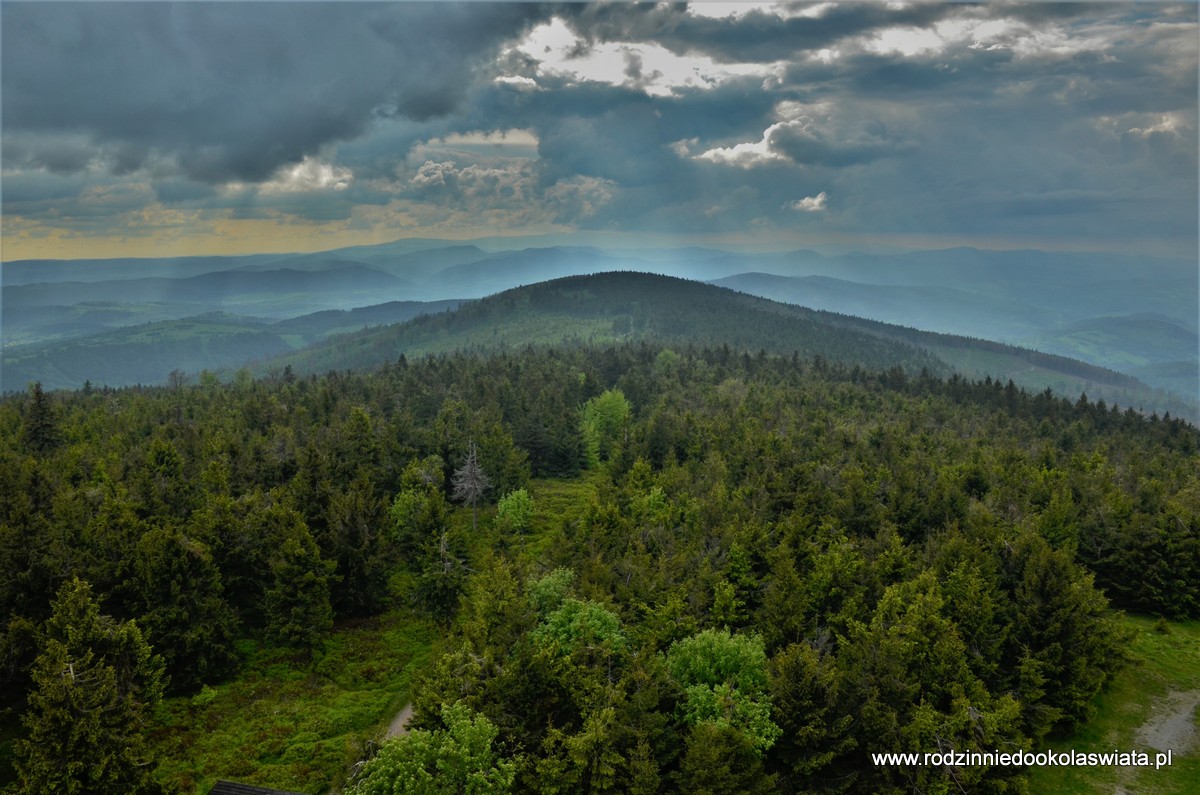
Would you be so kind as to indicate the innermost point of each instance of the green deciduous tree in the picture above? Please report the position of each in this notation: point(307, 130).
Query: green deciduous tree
point(601, 423)
point(514, 512)
point(458, 759)
point(724, 678)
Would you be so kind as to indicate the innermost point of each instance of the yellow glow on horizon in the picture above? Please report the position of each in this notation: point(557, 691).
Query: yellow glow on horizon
point(22, 239)
point(207, 236)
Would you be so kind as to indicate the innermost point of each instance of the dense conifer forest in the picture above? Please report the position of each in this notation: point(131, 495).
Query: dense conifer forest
point(788, 563)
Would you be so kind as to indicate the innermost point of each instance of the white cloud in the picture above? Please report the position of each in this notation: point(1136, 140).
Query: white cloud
point(512, 137)
point(431, 174)
point(309, 174)
point(518, 82)
point(714, 9)
point(906, 41)
point(808, 12)
point(646, 66)
point(747, 155)
point(1167, 123)
point(683, 148)
point(511, 187)
point(809, 204)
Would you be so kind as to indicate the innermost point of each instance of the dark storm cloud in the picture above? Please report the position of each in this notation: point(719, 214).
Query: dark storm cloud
point(757, 36)
point(921, 138)
point(1066, 118)
point(181, 191)
point(26, 189)
point(233, 90)
point(619, 132)
point(842, 147)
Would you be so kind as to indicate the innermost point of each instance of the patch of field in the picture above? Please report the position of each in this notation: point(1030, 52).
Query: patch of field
point(288, 723)
point(557, 502)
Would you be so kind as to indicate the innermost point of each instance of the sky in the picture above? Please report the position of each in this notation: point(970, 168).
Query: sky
point(168, 129)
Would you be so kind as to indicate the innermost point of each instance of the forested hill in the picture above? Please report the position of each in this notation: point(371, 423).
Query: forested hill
point(615, 307)
point(629, 306)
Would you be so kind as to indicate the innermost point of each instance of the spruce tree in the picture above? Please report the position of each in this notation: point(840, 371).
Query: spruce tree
point(183, 609)
point(40, 433)
point(96, 681)
point(297, 604)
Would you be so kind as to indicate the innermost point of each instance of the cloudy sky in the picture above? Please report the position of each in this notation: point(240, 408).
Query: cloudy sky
point(183, 128)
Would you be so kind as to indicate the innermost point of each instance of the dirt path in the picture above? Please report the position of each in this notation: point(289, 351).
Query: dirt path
point(399, 725)
point(1170, 727)
point(1172, 724)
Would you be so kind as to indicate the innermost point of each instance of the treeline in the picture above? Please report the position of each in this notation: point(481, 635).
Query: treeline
point(142, 354)
point(790, 563)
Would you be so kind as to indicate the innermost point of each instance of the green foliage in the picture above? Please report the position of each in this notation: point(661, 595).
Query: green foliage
point(418, 514)
point(724, 678)
point(205, 697)
point(183, 610)
point(548, 593)
point(580, 627)
point(906, 674)
point(914, 558)
point(40, 431)
point(289, 723)
point(297, 603)
point(601, 422)
point(1069, 644)
point(805, 692)
point(721, 759)
point(96, 684)
point(514, 512)
point(353, 541)
point(457, 759)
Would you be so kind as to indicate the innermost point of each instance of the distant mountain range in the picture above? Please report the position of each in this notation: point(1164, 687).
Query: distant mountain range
point(146, 353)
point(336, 277)
point(1138, 316)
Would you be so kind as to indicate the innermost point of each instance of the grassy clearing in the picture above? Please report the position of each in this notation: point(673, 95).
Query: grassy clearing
point(289, 723)
point(293, 724)
point(557, 503)
point(1164, 663)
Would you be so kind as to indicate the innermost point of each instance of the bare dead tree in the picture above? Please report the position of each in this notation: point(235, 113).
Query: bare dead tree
point(470, 484)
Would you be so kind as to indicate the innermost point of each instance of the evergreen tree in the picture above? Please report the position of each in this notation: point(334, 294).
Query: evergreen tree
point(720, 759)
point(96, 681)
point(40, 433)
point(297, 603)
point(183, 608)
